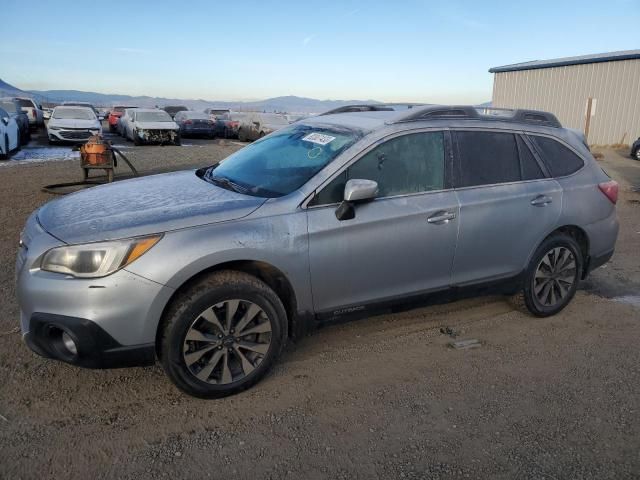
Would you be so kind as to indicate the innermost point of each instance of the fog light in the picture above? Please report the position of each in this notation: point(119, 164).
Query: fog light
point(69, 343)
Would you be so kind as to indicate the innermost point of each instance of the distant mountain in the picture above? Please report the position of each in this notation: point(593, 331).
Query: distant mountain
point(278, 104)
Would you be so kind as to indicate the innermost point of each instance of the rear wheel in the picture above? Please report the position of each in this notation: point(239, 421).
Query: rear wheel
point(552, 277)
point(222, 335)
point(636, 153)
point(136, 138)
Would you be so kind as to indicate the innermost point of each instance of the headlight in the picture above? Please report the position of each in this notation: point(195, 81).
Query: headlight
point(94, 260)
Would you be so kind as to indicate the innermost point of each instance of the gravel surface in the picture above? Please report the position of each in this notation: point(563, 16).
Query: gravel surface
point(383, 397)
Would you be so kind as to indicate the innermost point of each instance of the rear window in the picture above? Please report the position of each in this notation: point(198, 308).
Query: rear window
point(529, 168)
point(559, 159)
point(485, 158)
point(25, 103)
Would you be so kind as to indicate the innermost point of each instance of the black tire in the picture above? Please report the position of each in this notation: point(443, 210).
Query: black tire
point(5, 155)
point(112, 129)
point(241, 136)
point(636, 154)
point(177, 141)
point(136, 139)
point(527, 299)
point(185, 311)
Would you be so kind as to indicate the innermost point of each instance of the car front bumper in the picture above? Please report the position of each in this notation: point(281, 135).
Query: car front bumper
point(158, 135)
point(72, 135)
point(113, 320)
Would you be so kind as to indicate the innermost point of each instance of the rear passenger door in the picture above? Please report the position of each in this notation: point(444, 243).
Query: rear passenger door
point(507, 204)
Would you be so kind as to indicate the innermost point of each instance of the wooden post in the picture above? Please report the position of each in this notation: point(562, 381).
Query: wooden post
point(588, 120)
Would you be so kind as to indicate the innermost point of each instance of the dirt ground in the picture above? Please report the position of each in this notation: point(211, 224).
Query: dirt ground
point(377, 398)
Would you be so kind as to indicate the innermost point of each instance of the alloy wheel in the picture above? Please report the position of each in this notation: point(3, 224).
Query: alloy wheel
point(555, 276)
point(227, 341)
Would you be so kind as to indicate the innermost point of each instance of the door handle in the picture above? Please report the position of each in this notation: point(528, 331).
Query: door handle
point(441, 217)
point(541, 201)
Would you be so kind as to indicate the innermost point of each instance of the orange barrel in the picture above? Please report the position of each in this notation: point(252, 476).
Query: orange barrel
point(95, 152)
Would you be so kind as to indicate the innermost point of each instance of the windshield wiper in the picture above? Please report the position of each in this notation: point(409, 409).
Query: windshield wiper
point(226, 183)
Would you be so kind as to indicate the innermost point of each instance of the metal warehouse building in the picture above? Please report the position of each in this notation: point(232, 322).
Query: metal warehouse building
point(597, 94)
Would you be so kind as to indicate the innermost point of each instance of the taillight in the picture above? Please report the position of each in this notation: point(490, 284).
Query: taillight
point(33, 112)
point(188, 122)
point(610, 189)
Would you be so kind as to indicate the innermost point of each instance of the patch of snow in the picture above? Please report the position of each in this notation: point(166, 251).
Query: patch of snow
point(628, 299)
point(40, 154)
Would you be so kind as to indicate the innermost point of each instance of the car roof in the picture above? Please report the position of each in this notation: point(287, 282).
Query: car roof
point(73, 107)
point(149, 110)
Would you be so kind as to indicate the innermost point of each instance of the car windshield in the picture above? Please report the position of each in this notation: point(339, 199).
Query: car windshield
point(74, 113)
point(158, 116)
point(283, 161)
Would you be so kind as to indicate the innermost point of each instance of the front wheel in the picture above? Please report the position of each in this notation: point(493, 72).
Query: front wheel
point(177, 140)
point(636, 154)
point(552, 277)
point(222, 335)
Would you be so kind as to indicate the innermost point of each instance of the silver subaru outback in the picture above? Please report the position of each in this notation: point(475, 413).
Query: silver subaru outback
point(361, 210)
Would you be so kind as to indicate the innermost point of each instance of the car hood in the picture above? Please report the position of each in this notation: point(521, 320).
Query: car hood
point(73, 123)
point(156, 125)
point(141, 206)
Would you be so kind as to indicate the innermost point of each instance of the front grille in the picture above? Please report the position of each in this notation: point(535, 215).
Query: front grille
point(75, 134)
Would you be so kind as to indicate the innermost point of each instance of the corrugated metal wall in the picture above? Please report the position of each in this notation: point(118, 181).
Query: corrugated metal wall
point(564, 91)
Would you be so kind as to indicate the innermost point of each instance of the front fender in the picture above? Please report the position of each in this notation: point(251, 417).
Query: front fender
point(280, 241)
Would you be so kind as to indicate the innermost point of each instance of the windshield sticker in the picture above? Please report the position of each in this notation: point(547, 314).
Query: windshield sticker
point(319, 138)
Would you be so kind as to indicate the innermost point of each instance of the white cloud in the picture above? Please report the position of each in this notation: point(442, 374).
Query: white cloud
point(308, 39)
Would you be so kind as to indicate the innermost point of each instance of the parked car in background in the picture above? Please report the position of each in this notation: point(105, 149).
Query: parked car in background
point(72, 124)
point(124, 120)
point(295, 117)
point(227, 124)
point(635, 149)
point(195, 124)
point(340, 214)
point(9, 134)
point(257, 125)
point(33, 111)
point(214, 113)
point(148, 125)
point(173, 109)
point(13, 108)
point(114, 114)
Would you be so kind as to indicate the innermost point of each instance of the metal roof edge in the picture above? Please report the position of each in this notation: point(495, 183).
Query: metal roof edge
point(564, 62)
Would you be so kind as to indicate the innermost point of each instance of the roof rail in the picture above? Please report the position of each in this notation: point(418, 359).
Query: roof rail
point(377, 107)
point(433, 112)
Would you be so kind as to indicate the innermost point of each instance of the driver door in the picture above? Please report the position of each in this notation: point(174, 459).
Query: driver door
point(401, 243)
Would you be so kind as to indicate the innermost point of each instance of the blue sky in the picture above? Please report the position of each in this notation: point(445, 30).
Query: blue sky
point(352, 49)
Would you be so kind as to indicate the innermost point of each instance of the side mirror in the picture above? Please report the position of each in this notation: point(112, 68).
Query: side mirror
point(356, 191)
point(5, 120)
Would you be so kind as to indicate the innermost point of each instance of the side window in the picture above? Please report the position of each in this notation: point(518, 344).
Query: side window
point(485, 158)
point(407, 164)
point(560, 160)
point(529, 168)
